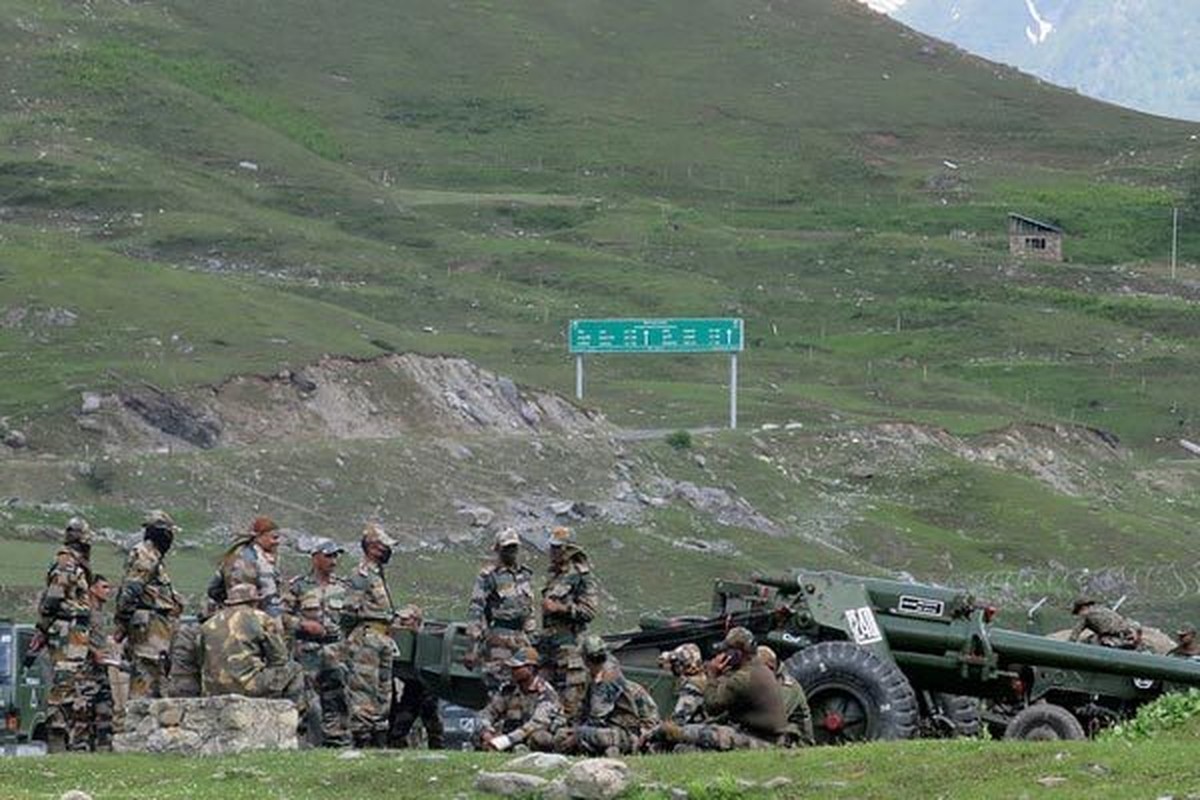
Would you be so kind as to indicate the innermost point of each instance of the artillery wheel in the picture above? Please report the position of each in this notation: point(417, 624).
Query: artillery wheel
point(1044, 722)
point(949, 716)
point(854, 694)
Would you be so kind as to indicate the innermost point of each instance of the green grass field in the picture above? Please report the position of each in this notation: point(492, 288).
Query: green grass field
point(961, 769)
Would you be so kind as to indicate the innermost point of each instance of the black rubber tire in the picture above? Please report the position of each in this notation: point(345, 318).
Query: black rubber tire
point(870, 696)
point(1044, 722)
point(961, 712)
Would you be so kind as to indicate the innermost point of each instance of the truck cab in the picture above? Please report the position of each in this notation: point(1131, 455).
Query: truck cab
point(22, 691)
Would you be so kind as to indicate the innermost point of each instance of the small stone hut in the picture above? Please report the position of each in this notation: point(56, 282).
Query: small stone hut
point(1029, 238)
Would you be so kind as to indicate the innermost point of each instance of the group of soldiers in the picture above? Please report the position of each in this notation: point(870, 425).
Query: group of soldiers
point(1108, 628)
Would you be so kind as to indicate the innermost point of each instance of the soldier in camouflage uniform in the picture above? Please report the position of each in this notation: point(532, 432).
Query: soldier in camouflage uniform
point(183, 679)
point(94, 687)
point(252, 559)
point(687, 665)
point(1188, 647)
point(1109, 627)
point(316, 602)
point(500, 614)
point(64, 615)
point(795, 701)
point(742, 700)
point(568, 606)
point(244, 653)
point(148, 607)
point(618, 713)
point(415, 700)
point(368, 617)
point(526, 711)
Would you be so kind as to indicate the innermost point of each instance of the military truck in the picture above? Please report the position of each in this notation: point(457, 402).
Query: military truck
point(22, 691)
point(879, 659)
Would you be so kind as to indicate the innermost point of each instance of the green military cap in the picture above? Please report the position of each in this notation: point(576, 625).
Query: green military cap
point(523, 657)
point(160, 519)
point(593, 647)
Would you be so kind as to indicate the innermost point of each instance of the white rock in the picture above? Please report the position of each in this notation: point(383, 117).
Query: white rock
point(597, 779)
point(538, 762)
point(508, 784)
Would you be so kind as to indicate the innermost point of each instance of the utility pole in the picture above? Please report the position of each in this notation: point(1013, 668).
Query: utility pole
point(1174, 239)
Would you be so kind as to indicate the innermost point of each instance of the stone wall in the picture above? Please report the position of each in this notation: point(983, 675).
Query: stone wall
point(208, 726)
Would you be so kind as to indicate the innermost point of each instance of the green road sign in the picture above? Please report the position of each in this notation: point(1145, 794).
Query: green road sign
point(718, 335)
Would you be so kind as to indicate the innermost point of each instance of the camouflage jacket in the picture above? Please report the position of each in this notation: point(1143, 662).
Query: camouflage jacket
point(749, 697)
point(65, 599)
point(689, 702)
point(99, 645)
point(574, 586)
point(239, 642)
point(246, 562)
point(308, 598)
point(147, 586)
point(502, 598)
point(367, 596)
point(520, 713)
point(1104, 622)
point(615, 701)
point(1186, 650)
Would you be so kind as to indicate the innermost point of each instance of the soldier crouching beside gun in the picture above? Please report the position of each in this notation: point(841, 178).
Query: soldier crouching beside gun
point(1109, 627)
point(526, 711)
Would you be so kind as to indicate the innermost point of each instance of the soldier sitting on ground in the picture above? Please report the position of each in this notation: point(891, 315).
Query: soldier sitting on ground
point(617, 713)
point(1109, 627)
point(687, 665)
point(526, 711)
point(742, 700)
point(795, 701)
point(1188, 647)
point(244, 652)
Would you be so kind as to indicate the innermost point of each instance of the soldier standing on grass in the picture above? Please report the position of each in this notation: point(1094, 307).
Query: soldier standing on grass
point(568, 607)
point(148, 607)
point(316, 601)
point(64, 616)
point(95, 687)
point(368, 617)
point(500, 614)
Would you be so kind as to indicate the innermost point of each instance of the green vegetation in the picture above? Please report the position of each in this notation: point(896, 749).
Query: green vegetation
point(1174, 715)
point(679, 440)
point(968, 769)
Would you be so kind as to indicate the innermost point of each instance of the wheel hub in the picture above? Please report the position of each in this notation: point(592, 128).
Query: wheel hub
point(833, 722)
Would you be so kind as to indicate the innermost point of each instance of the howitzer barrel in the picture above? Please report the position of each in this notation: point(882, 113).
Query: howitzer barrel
point(1012, 647)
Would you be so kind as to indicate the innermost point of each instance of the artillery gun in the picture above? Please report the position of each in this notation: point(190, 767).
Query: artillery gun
point(879, 659)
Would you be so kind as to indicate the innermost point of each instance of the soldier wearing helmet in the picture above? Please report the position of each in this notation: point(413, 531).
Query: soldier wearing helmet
point(316, 601)
point(526, 711)
point(617, 713)
point(568, 607)
point(368, 617)
point(1109, 628)
point(64, 618)
point(1188, 647)
point(500, 614)
point(148, 607)
point(687, 665)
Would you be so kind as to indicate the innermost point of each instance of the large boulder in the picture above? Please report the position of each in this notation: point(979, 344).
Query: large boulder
point(208, 726)
point(597, 779)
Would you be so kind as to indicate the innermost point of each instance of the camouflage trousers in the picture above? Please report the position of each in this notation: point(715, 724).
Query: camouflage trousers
point(95, 692)
point(369, 685)
point(148, 649)
point(498, 647)
point(707, 736)
point(416, 702)
point(67, 725)
point(325, 671)
point(563, 667)
point(184, 677)
point(595, 740)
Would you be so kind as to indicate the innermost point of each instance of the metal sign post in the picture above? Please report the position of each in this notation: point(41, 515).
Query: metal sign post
point(688, 335)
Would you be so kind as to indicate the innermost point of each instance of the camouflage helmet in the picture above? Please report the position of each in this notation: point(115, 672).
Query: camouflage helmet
point(374, 532)
point(593, 648)
point(560, 536)
point(160, 519)
point(738, 638)
point(410, 616)
point(78, 532)
point(523, 657)
point(1186, 630)
point(767, 657)
point(241, 593)
point(506, 537)
point(1083, 601)
point(686, 657)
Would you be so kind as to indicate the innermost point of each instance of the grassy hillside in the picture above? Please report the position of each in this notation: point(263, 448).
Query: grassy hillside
point(192, 191)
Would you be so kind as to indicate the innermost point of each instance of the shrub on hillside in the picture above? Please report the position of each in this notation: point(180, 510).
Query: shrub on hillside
point(680, 440)
point(1178, 712)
